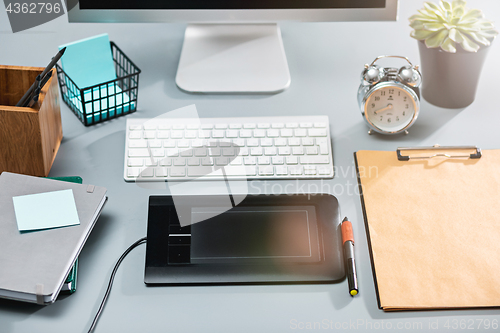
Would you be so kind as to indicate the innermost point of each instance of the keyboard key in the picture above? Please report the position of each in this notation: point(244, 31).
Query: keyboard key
point(278, 160)
point(292, 160)
point(138, 152)
point(192, 126)
point(206, 126)
point(164, 126)
point(149, 134)
point(177, 172)
point(294, 142)
point(240, 170)
point(228, 152)
point(323, 171)
point(225, 144)
point(237, 161)
point(243, 152)
point(183, 143)
point(286, 133)
point(256, 151)
point(245, 134)
point(235, 125)
point(259, 133)
point(323, 149)
point(320, 124)
point(135, 127)
point(187, 153)
point(295, 170)
point(150, 162)
point(306, 125)
point(277, 125)
point(312, 150)
point(207, 161)
point(190, 134)
point(263, 125)
point(161, 172)
point(266, 171)
point(178, 126)
point(239, 142)
point(309, 172)
point(298, 151)
point(266, 142)
point(148, 172)
point(270, 151)
point(162, 135)
point(154, 143)
point(249, 160)
point(138, 144)
point(314, 159)
point(214, 152)
point(149, 126)
point(249, 125)
point(280, 142)
point(221, 126)
point(133, 172)
point(307, 141)
point(281, 170)
point(172, 152)
point(135, 162)
point(284, 150)
point(166, 161)
point(135, 135)
point(221, 161)
point(301, 132)
point(232, 133)
point(158, 152)
point(292, 125)
point(169, 143)
point(177, 134)
point(193, 161)
point(252, 142)
point(317, 132)
point(273, 133)
point(179, 161)
point(197, 143)
point(200, 171)
point(217, 134)
point(200, 152)
point(264, 160)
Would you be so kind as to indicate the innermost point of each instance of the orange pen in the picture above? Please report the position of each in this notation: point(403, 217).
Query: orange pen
point(350, 262)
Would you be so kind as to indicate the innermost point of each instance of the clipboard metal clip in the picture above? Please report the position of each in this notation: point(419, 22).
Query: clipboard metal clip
point(438, 152)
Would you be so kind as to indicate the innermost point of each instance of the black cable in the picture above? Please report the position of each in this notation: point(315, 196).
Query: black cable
point(111, 279)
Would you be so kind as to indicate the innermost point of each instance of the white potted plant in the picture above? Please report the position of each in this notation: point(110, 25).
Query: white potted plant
point(453, 42)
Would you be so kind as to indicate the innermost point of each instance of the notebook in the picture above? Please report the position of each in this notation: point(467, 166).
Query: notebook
point(433, 228)
point(35, 264)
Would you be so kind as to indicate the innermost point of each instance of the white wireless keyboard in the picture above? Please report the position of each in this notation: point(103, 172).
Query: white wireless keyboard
point(180, 149)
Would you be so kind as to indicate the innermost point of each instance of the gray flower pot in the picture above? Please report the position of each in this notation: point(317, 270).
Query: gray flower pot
point(449, 80)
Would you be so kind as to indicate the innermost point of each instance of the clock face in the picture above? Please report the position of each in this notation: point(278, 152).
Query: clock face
point(390, 108)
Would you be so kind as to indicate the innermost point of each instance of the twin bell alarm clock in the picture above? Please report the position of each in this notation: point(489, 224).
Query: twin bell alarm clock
point(389, 97)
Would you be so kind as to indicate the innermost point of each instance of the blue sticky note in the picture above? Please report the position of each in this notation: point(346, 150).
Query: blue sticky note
point(89, 61)
point(45, 210)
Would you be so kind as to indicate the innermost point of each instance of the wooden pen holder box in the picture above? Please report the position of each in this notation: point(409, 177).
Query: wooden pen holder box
point(29, 137)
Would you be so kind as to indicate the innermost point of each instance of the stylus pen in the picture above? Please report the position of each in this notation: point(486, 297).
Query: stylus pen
point(350, 261)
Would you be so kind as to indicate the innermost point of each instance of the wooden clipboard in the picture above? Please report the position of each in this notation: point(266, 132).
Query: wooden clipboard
point(432, 218)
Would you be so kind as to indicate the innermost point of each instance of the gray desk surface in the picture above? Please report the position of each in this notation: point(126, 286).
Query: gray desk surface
point(325, 62)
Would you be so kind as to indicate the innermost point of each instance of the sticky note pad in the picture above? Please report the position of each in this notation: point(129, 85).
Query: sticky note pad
point(45, 210)
point(89, 61)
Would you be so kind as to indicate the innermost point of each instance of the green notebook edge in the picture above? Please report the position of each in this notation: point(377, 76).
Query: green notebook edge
point(69, 285)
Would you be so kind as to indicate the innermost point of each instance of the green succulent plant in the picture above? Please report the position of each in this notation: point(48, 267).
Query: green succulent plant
point(449, 23)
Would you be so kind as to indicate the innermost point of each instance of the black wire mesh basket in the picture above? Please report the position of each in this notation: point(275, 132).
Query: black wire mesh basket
point(106, 100)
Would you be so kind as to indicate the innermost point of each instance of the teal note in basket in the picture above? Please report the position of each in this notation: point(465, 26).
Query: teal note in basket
point(45, 210)
point(89, 61)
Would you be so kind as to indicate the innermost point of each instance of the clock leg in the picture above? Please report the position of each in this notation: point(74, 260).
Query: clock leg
point(370, 132)
point(406, 132)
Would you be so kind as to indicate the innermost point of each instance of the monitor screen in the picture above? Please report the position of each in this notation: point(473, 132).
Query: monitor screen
point(229, 4)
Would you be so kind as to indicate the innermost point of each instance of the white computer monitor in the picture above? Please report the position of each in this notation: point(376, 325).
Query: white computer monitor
point(232, 46)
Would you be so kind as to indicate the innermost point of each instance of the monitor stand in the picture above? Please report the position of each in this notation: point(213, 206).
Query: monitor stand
point(233, 58)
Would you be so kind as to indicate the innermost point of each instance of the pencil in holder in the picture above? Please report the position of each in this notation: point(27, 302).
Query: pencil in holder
point(106, 100)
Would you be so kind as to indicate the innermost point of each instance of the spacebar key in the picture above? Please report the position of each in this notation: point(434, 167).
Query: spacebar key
point(202, 171)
